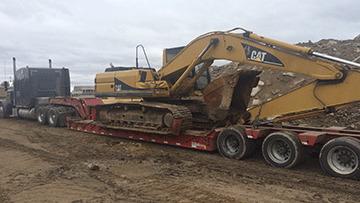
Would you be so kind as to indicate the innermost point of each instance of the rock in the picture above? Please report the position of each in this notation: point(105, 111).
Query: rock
point(268, 83)
point(94, 167)
point(261, 83)
point(301, 80)
point(256, 102)
point(274, 92)
point(331, 43)
point(255, 90)
point(77, 201)
point(357, 38)
point(357, 59)
point(290, 74)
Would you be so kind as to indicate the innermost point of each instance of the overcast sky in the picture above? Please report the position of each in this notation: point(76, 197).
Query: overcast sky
point(85, 36)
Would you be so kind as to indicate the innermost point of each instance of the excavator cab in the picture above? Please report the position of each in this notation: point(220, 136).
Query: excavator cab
point(203, 80)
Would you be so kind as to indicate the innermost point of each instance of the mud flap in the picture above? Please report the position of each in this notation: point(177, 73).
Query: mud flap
point(175, 127)
point(230, 95)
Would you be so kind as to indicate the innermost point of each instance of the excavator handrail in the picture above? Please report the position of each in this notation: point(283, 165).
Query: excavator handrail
point(238, 28)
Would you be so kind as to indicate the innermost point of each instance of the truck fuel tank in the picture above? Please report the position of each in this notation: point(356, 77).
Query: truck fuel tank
point(27, 113)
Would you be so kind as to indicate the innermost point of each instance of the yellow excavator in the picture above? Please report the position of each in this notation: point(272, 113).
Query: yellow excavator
point(170, 100)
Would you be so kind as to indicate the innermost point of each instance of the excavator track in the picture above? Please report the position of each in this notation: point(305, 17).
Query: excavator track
point(147, 117)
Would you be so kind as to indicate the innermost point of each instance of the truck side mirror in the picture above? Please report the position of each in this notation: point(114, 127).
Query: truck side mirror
point(6, 85)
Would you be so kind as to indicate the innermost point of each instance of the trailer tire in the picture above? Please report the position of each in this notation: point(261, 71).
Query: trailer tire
point(283, 149)
point(340, 157)
point(41, 115)
point(233, 143)
point(53, 117)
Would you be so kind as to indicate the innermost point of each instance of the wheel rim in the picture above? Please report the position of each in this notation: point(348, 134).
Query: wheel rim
point(343, 160)
point(1, 111)
point(52, 118)
point(279, 151)
point(232, 144)
point(40, 117)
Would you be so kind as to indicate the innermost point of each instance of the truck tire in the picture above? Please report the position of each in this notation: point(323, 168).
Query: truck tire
point(41, 115)
point(340, 157)
point(53, 117)
point(233, 143)
point(283, 149)
point(2, 111)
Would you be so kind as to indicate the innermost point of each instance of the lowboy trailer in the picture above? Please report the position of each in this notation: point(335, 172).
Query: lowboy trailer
point(282, 146)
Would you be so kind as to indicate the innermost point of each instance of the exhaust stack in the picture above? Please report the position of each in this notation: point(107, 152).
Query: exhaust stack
point(14, 81)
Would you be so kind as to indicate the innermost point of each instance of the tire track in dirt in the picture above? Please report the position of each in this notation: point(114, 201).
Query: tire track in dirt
point(110, 169)
point(67, 167)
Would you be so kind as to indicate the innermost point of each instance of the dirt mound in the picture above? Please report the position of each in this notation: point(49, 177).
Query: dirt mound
point(274, 83)
point(346, 49)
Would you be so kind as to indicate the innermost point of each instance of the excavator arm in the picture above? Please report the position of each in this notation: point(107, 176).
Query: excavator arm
point(247, 48)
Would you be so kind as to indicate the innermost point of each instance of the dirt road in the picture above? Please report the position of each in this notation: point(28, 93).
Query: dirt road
point(44, 164)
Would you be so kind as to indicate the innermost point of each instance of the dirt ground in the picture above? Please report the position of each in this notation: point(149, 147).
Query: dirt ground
point(44, 164)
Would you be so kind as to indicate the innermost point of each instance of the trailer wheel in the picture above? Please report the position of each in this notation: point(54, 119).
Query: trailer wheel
point(233, 143)
point(41, 115)
point(340, 157)
point(283, 149)
point(53, 117)
point(2, 111)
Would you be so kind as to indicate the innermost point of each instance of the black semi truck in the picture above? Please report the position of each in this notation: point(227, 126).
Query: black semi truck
point(32, 90)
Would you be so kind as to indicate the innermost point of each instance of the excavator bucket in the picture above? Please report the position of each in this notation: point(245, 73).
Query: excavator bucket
point(229, 95)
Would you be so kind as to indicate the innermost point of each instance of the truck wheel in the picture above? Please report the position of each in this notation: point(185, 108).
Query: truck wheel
point(53, 117)
point(340, 157)
point(41, 115)
point(283, 149)
point(233, 143)
point(2, 111)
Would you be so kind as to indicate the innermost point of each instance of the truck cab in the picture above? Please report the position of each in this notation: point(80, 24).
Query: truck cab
point(33, 83)
point(32, 87)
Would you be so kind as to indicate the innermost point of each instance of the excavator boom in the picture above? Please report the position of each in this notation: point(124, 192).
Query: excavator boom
point(253, 49)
